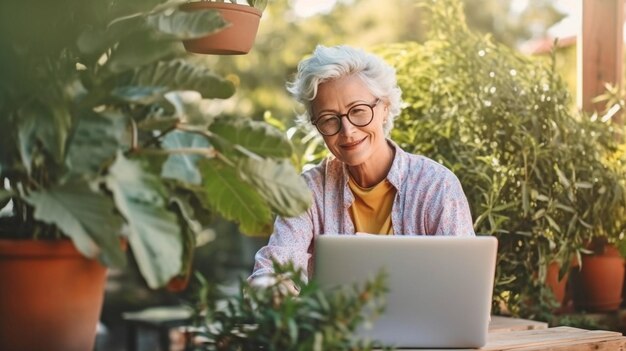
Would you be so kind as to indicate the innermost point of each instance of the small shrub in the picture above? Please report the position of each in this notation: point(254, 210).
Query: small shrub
point(270, 318)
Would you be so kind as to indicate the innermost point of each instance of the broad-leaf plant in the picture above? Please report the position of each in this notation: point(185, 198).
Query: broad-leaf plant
point(107, 135)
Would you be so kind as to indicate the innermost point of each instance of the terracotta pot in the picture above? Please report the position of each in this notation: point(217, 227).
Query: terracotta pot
point(552, 281)
point(236, 39)
point(50, 296)
point(598, 284)
point(624, 291)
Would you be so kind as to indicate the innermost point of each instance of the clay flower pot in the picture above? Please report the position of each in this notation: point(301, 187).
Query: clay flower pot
point(556, 285)
point(598, 285)
point(236, 39)
point(50, 296)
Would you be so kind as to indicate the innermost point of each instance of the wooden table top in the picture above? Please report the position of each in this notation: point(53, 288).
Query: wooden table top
point(505, 334)
point(499, 324)
point(512, 334)
point(558, 338)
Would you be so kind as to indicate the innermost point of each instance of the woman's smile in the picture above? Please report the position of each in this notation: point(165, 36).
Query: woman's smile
point(351, 145)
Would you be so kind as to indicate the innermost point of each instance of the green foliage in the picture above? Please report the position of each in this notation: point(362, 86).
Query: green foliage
point(538, 176)
point(106, 134)
point(270, 318)
point(285, 37)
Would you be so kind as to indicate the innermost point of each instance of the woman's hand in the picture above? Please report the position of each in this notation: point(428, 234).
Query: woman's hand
point(285, 286)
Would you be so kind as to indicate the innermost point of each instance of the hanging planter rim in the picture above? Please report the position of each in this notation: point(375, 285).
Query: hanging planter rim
point(198, 5)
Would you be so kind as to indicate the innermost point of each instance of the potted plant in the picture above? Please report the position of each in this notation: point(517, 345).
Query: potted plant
point(106, 142)
point(599, 279)
point(235, 39)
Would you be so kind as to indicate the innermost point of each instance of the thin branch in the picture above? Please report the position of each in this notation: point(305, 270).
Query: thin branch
point(156, 138)
point(193, 129)
point(208, 152)
point(133, 136)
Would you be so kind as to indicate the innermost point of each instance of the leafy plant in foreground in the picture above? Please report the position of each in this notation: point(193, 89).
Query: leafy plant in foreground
point(107, 135)
point(270, 318)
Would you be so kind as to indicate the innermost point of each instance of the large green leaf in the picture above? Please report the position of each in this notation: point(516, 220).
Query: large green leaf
point(278, 183)
point(152, 160)
point(140, 49)
point(8, 144)
point(95, 41)
point(259, 4)
point(138, 94)
point(161, 19)
point(234, 199)
point(190, 230)
point(187, 25)
point(183, 166)
point(87, 216)
point(190, 107)
point(258, 137)
point(50, 125)
point(97, 139)
point(182, 75)
point(154, 233)
point(5, 197)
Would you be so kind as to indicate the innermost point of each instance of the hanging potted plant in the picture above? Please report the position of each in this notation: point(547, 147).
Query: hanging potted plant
point(100, 146)
point(235, 39)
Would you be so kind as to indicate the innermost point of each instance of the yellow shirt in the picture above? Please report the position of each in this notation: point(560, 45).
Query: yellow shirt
point(371, 209)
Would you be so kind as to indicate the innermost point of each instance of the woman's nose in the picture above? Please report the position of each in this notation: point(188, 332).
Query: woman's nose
point(346, 126)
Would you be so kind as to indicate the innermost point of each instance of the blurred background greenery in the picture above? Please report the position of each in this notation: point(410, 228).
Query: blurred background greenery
point(289, 31)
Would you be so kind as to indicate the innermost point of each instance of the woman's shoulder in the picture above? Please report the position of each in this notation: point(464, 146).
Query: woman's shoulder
point(328, 167)
point(422, 166)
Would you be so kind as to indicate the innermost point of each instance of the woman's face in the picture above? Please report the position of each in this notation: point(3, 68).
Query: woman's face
point(352, 145)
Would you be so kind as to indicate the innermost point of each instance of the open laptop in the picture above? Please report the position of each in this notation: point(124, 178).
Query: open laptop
point(440, 287)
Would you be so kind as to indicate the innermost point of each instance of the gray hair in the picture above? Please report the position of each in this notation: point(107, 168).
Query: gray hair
point(330, 63)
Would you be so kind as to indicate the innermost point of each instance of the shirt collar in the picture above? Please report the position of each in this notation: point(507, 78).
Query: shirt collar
point(395, 175)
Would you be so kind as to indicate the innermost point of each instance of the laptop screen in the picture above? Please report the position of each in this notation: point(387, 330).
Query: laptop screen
point(440, 287)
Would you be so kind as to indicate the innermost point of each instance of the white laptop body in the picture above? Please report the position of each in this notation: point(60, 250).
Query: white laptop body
point(440, 287)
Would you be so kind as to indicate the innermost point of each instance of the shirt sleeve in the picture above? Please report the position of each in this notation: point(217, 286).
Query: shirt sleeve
point(454, 217)
point(290, 241)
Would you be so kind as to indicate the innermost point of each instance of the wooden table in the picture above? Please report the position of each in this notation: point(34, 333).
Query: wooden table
point(500, 324)
point(512, 334)
point(505, 334)
point(558, 338)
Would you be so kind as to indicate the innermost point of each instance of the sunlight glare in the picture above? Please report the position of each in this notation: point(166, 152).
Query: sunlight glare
point(307, 8)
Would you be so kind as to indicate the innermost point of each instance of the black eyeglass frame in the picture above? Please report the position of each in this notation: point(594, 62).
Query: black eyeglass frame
point(347, 115)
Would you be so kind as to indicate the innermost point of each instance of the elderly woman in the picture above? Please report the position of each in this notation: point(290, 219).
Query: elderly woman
point(370, 185)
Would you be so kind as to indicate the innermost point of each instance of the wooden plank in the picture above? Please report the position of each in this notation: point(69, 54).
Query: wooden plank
point(604, 345)
point(551, 338)
point(501, 324)
point(600, 50)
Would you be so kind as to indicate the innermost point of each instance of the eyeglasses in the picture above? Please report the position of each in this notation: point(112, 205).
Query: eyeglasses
point(359, 115)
